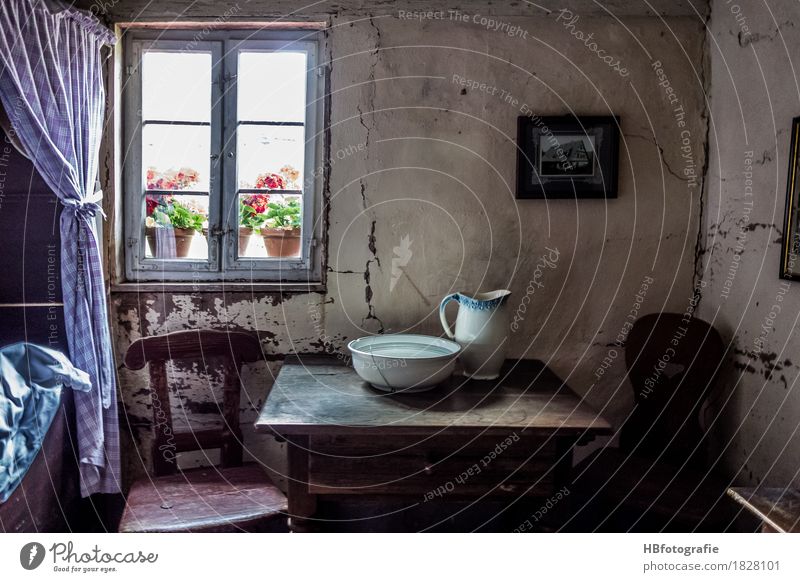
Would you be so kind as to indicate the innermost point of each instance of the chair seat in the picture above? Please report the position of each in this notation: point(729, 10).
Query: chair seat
point(209, 499)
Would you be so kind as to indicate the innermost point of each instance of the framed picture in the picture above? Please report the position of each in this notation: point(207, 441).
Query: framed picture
point(567, 157)
point(790, 250)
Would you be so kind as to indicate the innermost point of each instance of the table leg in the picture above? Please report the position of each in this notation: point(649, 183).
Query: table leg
point(302, 504)
point(562, 475)
point(562, 471)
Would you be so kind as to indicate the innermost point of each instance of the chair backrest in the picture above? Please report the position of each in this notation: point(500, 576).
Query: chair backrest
point(229, 350)
point(672, 363)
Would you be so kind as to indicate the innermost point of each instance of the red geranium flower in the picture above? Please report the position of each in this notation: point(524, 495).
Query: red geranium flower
point(270, 181)
point(258, 202)
point(153, 202)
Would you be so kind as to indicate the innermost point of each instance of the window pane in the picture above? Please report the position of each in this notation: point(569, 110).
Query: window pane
point(271, 86)
point(176, 227)
point(176, 157)
point(270, 157)
point(269, 226)
point(176, 86)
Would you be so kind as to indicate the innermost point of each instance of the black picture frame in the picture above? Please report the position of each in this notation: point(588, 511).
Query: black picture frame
point(790, 245)
point(567, 156)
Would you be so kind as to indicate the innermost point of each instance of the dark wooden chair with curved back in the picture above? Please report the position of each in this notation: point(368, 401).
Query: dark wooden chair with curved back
point(659, 478)
point(672, 365)
point(230, 497)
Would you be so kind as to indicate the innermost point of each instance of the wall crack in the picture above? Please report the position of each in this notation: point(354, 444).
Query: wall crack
point(699, 251)
point(368, 280)
point(661, 155)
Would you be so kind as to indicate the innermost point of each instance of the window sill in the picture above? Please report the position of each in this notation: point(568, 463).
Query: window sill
point(218, 287)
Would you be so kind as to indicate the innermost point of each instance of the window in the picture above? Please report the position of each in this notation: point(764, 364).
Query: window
point(222, 142)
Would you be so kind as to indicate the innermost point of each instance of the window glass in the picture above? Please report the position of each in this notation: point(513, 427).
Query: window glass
point(270, 157)
point(216, 183)
point(270, 145)
point(176, 226)
point(272, 86)
point(176, 157)
point(176, 86)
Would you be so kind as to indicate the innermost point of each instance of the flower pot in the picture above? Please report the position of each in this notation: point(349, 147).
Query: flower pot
point(244, 239)
point(182, 237)
point(281, 242)
point(183, 241)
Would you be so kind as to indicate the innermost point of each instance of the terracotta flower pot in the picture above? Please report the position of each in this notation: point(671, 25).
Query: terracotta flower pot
point(183, 241)
point(244, 239)
point(281, 243)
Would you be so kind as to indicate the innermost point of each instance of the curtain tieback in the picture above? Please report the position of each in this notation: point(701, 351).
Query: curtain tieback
point(87, 208)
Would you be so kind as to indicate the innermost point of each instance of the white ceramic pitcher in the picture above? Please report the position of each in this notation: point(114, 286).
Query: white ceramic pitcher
point(481, 330)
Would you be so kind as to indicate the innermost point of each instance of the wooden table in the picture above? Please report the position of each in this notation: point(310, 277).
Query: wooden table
point(510, 437)
point(777, 508)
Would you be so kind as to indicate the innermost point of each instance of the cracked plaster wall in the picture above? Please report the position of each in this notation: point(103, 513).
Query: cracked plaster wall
point(422, 202)
point(755, 96)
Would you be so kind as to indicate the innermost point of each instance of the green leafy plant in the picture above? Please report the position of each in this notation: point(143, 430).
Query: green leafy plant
point(183, 217)
point(168, 212)
point(283, 215)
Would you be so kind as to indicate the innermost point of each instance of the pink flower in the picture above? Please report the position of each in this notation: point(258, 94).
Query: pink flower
point(270, 181)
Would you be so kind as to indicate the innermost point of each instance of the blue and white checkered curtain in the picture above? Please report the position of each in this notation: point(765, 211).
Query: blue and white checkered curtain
point(51, 87)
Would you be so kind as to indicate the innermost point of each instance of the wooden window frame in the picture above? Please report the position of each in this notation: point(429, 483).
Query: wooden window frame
point(223, 264)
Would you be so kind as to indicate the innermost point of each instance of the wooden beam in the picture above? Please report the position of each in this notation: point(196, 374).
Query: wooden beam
point(220, 25)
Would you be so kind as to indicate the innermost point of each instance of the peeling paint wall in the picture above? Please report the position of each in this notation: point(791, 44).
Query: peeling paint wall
point(755, 97)
point(422, 199)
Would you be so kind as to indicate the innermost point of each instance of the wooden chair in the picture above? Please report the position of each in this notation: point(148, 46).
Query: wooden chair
point(672, 365)
point(231, 497)
point(660, 478)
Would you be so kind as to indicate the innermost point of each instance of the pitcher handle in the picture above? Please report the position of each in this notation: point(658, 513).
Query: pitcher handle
point(445, 325)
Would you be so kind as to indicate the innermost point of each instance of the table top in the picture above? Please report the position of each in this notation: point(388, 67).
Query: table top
point(777, 506)
point(316, 395)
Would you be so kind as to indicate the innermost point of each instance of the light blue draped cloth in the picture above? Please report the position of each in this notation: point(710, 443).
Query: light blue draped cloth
point(31, 378)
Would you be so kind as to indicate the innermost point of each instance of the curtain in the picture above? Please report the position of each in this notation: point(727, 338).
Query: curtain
point(51, 87)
